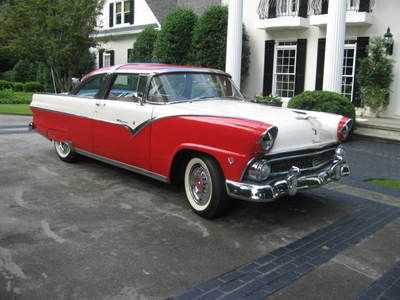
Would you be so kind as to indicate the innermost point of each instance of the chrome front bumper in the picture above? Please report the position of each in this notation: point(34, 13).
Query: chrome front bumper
point(294, 181)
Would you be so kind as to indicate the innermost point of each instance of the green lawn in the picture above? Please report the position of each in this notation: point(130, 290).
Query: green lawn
point(15, 109)
point(393, 184)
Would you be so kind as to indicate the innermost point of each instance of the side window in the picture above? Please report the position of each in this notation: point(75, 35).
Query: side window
point(124, 88)
point(91, 88)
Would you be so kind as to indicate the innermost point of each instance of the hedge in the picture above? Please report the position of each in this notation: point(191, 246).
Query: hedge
point(33, 86)
point(10, 97)
point(323, 101)
point(6, 85)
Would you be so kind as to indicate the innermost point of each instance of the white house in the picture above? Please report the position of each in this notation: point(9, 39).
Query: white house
point(287, 39)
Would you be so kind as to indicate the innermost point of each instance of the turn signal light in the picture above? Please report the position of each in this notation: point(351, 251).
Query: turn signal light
point(344, 128)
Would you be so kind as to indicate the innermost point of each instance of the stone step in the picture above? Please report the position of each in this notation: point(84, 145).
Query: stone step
point(388, 127)
point(377, 133)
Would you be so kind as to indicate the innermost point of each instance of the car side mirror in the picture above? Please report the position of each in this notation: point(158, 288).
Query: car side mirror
point(139, 97)
point(75, 82)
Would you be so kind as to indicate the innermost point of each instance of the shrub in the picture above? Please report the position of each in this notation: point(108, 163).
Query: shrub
point(24, 71)
point(209, 40)
point(5, 85)
point(18, 86)
point(375, 75)
point(144, 46)
point(323, 101)
point(8, 75)
point(268, 100)
point(10, 97)
point(33, 86)
point(175, 37)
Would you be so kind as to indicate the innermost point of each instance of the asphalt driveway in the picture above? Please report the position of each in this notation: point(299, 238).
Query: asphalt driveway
point(92, 231)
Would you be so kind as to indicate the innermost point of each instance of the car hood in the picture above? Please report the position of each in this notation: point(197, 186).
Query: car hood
point(297, 129)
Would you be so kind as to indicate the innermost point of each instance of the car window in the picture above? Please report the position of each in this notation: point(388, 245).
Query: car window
point(126, 87)
point(191, 87)
point(91, 88)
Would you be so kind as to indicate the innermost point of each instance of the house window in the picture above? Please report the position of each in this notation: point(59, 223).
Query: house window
point(349, 64)
point(352, 5)
point(284, 69)
point(106, 59)
point(123, 12)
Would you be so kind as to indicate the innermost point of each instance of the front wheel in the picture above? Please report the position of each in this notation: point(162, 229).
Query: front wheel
point(205, 187)
point(64, 151)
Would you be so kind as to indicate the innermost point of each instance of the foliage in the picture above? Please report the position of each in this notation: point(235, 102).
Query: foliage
point(24, 71)
point(209, 40)
point(173, 42)
point(33, 86)
point(375, 75)
point(144, 46)
point(269, 100)
point(7, 57)
point(18, 86)
point(10, 97)
point(56, 33)
point(15, 109)
point(5, 85)
point(323, 101)
point(387, 183)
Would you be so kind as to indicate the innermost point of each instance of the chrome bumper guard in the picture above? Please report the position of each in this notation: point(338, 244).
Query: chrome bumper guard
point(290, 185)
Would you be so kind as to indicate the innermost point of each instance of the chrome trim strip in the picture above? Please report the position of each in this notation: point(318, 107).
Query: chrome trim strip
point(123, 165)
point(300, 155)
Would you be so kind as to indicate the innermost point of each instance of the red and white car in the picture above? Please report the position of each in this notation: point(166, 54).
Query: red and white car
point(192, 125)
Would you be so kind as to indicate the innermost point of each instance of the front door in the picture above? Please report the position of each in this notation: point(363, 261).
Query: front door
point(118, 118)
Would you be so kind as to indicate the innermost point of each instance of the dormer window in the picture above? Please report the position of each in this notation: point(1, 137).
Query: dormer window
point(121, 12)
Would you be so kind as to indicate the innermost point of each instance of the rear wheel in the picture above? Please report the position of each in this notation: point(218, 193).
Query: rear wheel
point(64, 151)
point(205, 187)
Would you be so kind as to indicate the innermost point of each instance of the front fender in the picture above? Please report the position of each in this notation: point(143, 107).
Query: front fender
point(232, 142)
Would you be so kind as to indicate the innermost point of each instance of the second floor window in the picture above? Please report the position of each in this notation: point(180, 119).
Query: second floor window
point(123, 12)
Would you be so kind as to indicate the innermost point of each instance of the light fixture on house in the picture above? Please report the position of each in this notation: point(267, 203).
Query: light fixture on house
point(389, 40)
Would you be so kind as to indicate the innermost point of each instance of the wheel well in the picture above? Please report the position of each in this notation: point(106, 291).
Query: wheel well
point(179, 163)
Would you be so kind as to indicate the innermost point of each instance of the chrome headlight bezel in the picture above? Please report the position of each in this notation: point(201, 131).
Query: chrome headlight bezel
point(268, 138)
point(258, 171)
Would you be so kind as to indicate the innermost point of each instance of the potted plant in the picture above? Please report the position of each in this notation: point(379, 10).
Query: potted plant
point(375, 76)
point(268, 100)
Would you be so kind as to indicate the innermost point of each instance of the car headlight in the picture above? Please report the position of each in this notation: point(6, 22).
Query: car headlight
point(259, 170)
point(268, 138)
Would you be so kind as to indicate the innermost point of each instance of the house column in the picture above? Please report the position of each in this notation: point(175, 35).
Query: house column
point(335, 38)
point(234, 40)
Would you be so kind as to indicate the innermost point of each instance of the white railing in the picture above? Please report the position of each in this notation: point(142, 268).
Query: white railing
point(315, 6)
point(282, 8)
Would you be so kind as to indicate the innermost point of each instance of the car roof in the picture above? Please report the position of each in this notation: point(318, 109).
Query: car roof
point(152, 68)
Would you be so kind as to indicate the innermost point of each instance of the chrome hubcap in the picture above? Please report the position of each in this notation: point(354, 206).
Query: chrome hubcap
point(63, 148)
point(200, 184)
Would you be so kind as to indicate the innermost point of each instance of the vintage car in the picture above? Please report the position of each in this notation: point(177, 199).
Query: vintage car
point(192, 126)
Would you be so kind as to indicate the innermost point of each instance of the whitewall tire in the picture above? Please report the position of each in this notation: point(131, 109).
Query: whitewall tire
point(205, 187)
point(64, 151)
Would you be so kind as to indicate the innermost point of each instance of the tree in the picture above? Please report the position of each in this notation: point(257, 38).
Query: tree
point(375, 75)
point(174, 40)
point(56, 33)
point(25, 71)
point(209, 40)
point(144, 46)
point(7, 57)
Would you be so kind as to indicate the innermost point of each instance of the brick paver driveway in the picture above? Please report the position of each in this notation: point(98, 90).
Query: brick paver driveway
point(92, 231)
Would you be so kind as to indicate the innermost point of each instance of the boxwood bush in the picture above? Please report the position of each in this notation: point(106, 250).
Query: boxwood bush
point(10, 97)
point(18, 86)
point(33, 86)
point(323, 101)
point(5, 85)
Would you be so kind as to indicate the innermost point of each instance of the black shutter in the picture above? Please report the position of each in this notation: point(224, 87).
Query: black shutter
point(268, 67)
point(300, 65)
point(111, 15)
point(132, 12)
point(112, 57)
point(324, 8)
point(101, 51)
point(271, 9)
point(303, 8)
point(319, 80)
point(362, 43)
point(129, 55)
point(364, 5)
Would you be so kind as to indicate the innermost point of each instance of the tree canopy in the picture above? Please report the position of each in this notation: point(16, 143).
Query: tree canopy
point(144, 45)
point(174, 41)
point(56, 33)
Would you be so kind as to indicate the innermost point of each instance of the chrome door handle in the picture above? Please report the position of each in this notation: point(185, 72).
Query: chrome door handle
point(99, 104)
point(121, 121)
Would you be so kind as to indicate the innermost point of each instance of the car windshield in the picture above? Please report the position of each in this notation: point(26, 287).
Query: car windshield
point(178, 87)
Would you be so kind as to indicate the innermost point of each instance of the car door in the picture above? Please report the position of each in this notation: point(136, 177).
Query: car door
point(81, 104)
point(119, 116)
